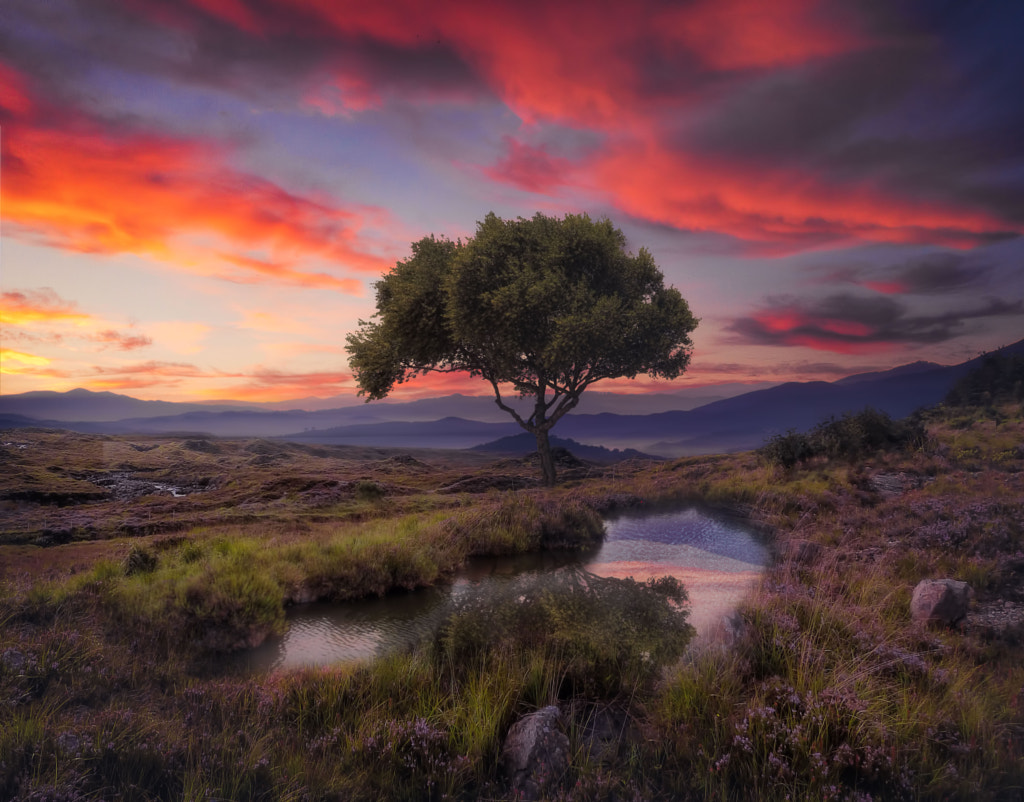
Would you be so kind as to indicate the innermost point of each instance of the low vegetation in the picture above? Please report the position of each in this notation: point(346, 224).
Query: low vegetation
point(852, 437)
point(827, 689)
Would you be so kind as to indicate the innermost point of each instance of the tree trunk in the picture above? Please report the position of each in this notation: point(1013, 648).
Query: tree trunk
point(547, 461)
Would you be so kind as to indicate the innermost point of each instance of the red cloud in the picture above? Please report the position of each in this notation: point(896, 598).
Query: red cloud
point(777, 210)
point(530, 168)
point(643, 78)
point(853, 324)
point(82, 187)
point(886, 287)
point(743, 34)
point(792, 326)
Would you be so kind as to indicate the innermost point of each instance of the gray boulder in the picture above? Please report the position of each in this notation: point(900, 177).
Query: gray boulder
point(940, 601)
point(535, 755)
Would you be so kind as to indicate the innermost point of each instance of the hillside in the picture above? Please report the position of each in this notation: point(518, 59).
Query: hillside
point(735, 423)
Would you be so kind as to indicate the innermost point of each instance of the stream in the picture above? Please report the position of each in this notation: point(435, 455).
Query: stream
point(717, 558)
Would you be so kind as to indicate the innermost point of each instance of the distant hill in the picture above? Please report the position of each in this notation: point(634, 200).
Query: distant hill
point(457, 433)
point(735, 423)
point(270, 419)
point(86, 405)
point(744, 422)
point(525, 443)
point(902, 370)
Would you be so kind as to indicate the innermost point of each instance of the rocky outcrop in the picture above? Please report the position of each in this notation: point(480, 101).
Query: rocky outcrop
point(535, 755)
point(940, 601)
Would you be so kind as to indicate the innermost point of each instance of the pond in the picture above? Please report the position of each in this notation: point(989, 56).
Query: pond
point(717, 558)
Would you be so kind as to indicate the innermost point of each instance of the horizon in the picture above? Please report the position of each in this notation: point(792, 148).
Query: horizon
point(735, 389)
point(198, 199)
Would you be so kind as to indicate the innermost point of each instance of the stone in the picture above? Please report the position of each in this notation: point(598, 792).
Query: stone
point(940, 601)
point(535, 755)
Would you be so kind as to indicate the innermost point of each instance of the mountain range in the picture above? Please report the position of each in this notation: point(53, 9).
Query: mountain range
point(693, 421)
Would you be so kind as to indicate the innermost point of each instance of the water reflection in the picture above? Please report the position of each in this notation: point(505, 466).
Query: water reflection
point(717, 559)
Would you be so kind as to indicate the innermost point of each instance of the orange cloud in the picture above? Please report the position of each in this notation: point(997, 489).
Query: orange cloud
point(123, 342)
point(7, 356)
point(275, 385)
point(39, 315)
point(81, 187)
point(286, 273)
point(35, 306)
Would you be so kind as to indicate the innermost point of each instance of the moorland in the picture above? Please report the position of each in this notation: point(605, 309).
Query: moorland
point(131, 564)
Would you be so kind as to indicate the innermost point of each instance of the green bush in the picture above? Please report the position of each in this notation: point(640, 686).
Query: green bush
point(859, 435)
point(229, 606)
point(786, 450)
point(608, 635)
point(140, 560)
point(369, 491)
point(852, 437)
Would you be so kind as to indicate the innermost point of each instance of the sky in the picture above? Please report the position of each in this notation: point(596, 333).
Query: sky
point(197, 196)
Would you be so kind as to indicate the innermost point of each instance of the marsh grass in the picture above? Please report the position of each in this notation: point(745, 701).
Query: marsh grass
point(828, 690)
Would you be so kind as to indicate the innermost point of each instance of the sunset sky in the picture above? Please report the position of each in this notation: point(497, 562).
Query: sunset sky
point(198, 195)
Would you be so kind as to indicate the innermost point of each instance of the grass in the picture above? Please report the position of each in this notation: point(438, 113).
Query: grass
point(828, 691)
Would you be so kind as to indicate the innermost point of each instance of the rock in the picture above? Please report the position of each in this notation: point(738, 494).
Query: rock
point(1001, 620)
point(940, 601)
point(535, 754)
point(16, 662)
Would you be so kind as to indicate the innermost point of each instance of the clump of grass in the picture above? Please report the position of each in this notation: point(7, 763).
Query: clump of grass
point(140, 560)
point(609, 635)
point(368, 490)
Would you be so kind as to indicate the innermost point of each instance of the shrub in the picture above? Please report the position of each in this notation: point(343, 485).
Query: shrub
point(608, 635)
point(140, 560)
point(855, 436)
point(786, 450)
point(369, 491)
point(851, 437)
point(229, 606)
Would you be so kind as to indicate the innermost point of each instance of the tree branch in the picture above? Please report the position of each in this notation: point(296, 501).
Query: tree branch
point(569, 401)
point(508, 409)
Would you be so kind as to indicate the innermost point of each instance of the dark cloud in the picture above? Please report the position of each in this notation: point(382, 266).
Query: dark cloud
point(64, 44)
point(846, 323)
point(930, 114)
point(928, 274)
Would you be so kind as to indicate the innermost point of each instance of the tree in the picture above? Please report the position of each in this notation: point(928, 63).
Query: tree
point(547, 305)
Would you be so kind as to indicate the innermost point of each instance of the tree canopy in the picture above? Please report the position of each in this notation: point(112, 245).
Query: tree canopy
point(547, 305)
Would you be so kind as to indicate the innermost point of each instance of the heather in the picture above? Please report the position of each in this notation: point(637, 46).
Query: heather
point(821, 686)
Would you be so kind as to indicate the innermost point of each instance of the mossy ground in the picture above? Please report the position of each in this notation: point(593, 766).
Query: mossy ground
point(828, 691)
